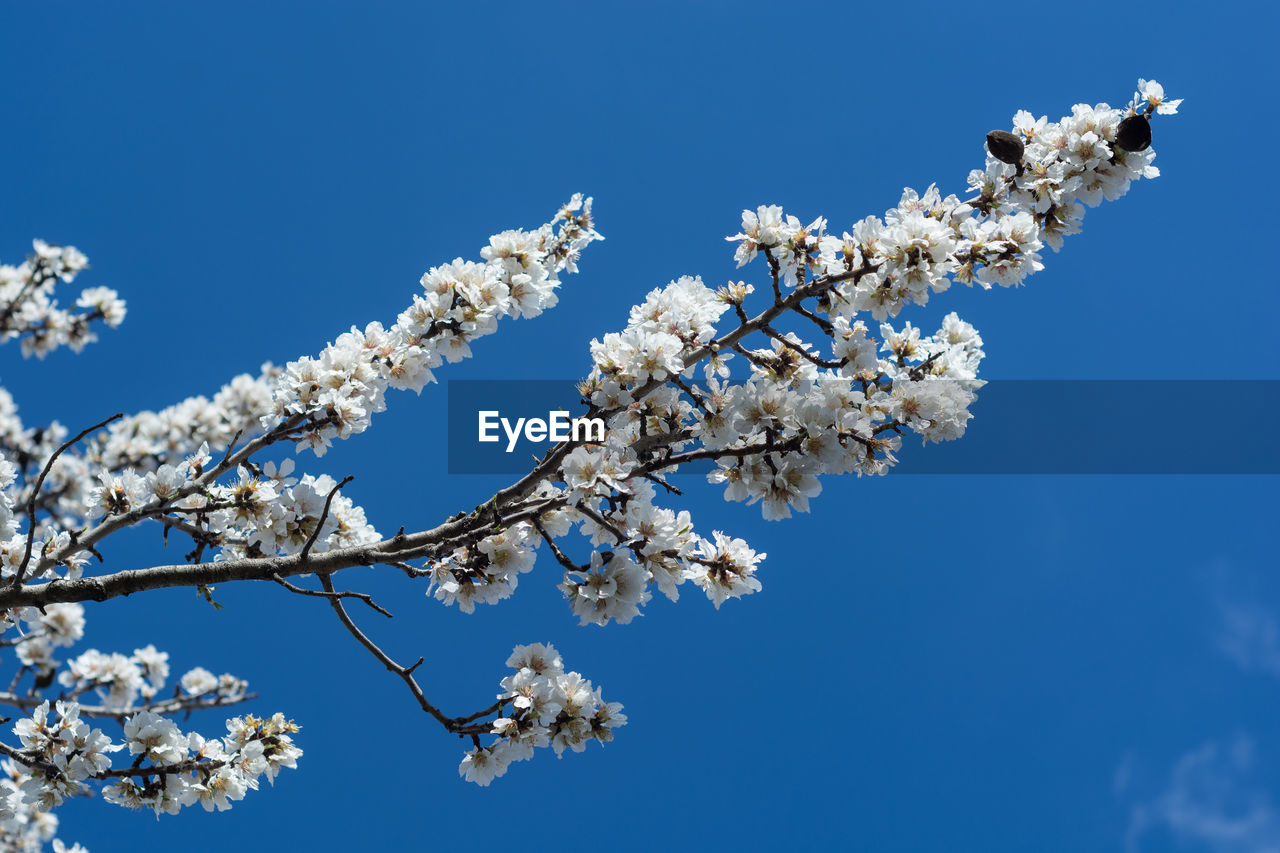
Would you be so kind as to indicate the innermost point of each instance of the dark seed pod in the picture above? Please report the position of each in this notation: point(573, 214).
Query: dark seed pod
point(1006, 147)
point(1134, 133)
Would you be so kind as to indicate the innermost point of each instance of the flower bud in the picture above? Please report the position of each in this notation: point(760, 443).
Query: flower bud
point(1134, 133)
point(1006, 147)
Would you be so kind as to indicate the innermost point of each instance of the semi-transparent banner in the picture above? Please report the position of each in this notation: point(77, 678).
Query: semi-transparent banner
point(1018, 427)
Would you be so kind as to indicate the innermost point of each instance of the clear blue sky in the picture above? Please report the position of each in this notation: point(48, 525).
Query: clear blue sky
point(983, 663)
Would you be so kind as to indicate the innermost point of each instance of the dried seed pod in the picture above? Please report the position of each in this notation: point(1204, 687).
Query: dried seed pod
point(1134, 133)
point(1006, 147)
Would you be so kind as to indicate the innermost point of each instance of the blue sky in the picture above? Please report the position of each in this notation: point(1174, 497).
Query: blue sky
point(995, 663)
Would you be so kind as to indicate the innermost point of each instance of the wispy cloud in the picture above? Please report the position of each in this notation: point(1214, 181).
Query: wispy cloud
point(1250, 636)
point(1211, 802)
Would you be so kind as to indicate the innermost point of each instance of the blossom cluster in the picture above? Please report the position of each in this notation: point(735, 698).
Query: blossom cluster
point(161, 465)
point(270, 513)
point(61, 754)
point(57, 626)
point(29, 310)
point(544, 706)
point(672, 396)
point(190, 769)
point(487, 572)
point(770, 436)
point(994, 238)
point(141, 442)
point(136, 467)
point(340, 390)
point(255, 514)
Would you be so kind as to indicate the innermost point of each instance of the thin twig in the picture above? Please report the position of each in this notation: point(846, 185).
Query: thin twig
point(671, 490)
point(324, 516)
point(231, 445)
point(560, 556)
point(166, 706)
point(405, 673)
point(801, 351)
point(603, 522)
point(20, 575)
point(363, 596)
point(35, 761)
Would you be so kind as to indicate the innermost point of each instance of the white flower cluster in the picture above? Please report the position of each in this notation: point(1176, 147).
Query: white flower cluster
point(771, 437)
point(613, 588)
point(1070, 162)
point(191, 769)
point(547, 707)
point(277, 514)
point(8, 473)
point(799, 413)
point(171, 769)
point(142, 442)
point(916, 249)
point(28, 309)
point(59, 625)
point(487, 572)
point(135, 465)
point(135, 469)
point(59, 756)
point(659, 546)
point(69, 746)
point(71, 750)
point(671, 320)
point(60, 753)
point(256, 514)
point(25, 828)
point(119, 679)
point(655, 545)
point(146, 440)
point(340, 390)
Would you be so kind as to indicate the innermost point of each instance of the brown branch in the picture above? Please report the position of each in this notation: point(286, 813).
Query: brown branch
point(671, 490)
point(825, 325)
point(603, 522)
point(560, 556)
point(197, 533)
point(790, 445)
point(453, 533)
point(456, 531)
point(801, 351)
point(48, 769)
point(774, 273)
point(492, 709)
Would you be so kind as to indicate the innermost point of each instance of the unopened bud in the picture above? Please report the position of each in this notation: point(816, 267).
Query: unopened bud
point(1006, 147)
point(1134, 133)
